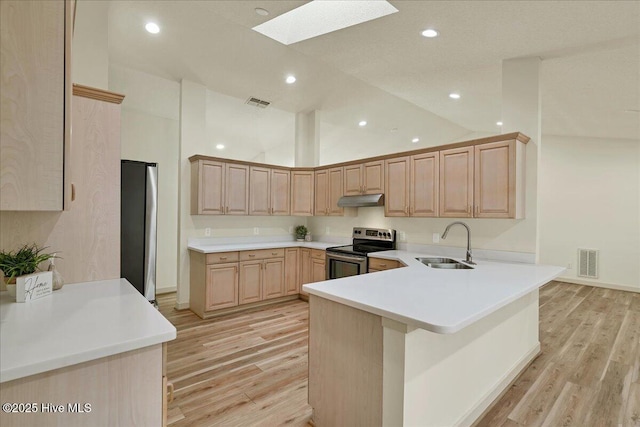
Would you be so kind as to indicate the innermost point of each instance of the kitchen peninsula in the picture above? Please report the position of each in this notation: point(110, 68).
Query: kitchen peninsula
point(420, 346)
point(92, 351)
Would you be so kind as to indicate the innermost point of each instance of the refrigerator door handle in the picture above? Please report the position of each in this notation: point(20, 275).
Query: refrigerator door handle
point(151, 233)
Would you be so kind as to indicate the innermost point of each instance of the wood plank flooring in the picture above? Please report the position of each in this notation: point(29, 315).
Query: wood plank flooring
point(251, 368)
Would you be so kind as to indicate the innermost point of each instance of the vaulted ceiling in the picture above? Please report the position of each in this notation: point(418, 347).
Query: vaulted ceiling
point(590, 52)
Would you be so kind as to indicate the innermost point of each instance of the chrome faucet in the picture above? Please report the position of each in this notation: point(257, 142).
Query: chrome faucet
point(469, 259)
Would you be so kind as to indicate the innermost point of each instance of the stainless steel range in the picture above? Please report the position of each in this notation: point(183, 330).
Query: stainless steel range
point(350, 260)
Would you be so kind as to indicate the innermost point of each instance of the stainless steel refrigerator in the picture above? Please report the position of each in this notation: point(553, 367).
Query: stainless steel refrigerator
point(138, 223)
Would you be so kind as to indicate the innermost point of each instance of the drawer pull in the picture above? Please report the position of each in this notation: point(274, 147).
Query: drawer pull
point(251, 255)
point(222, 258)
point(383, 265)
point(274, 253)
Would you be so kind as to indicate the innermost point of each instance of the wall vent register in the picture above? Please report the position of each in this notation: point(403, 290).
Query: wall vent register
point(588, 263)
point(257, 102)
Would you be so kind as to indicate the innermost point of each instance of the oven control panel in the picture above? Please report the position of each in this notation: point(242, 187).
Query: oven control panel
point(385, 234)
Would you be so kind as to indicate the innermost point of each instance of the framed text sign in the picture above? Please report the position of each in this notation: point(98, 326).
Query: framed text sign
point(34, 286)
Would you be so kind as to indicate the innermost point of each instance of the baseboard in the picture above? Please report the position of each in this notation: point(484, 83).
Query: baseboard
point(168, 290)
point(182, 305)
point(598, 284)
point(475, 414)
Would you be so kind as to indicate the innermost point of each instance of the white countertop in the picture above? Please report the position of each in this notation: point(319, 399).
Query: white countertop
point(78, 323)
point(441, 301)
point(213, 248)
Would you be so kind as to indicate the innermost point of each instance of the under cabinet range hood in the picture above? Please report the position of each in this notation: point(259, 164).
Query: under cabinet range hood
point(361, 201)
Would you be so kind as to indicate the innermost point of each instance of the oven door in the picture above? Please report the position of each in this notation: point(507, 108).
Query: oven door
point(342, 265)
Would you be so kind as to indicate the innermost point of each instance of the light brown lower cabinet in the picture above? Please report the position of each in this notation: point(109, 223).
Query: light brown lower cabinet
point(318, 265)
point(380, 264)
point(250, 282)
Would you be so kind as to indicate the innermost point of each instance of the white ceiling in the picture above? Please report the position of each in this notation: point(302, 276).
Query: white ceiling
point(590, 52)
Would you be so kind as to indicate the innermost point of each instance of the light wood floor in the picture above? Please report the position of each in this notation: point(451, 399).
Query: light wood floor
point(251, 369)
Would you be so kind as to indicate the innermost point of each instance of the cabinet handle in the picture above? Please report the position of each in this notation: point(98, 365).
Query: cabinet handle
point(73, 192)
point(171, 389)
point(477, 210)
point(364, 188)
point(251, 255)
point(383, 265)
point(468, 209)
point(222, 258)
point(406, 210)
point(274, 253)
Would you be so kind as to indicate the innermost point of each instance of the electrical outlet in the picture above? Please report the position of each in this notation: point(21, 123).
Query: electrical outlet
point(291, 229)
point(207, 231)
point(436, 237)
point(256, 230)
point(327, 230)
point(569, 266)
point(402, 236)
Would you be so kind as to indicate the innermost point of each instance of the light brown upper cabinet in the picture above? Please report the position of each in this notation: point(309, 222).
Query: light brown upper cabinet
point(412, 186)
point(219, 188)
point(396, 201)
point(366, 178)
point(327, 192)
point(499, 180)
point(456, 182)
point(269, 191)
point(35, 94)
point(302, 190)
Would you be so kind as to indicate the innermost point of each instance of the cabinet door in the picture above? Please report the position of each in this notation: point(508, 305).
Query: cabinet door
point(456, 182)
point(273, 278)
point(318, 270)
point(237, 189)
point(259, 191)
point(322, 193)
point(397, 187)
point(425, 181)
point(335, 191)
point(353, 185)
point(302, 191)
point(373, 177)
point(250, 284)
point(305, 268)
point(495, 180)
point(35, 99)
point(208, 195)
point(291, 271)
point(280, 189)
point(222, 286)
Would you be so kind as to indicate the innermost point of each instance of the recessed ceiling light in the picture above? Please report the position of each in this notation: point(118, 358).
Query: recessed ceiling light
point(362, 123)
point(414, 140)
point(220, 146)
point(316, 18)
point(499, 123)
point(454, 95)
point(152, 27)
point(262, 12)
point(430, 33)
point(290, 79)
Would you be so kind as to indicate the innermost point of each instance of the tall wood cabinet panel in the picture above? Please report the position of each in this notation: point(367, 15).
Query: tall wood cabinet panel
point(329, 188)
point(497, 192)
point(456, 182)
point(273, 278)
point(291, 271)
point(366, 178)
point(35, 99)
point(425, 183)
point(302, 192)
point(397, 187)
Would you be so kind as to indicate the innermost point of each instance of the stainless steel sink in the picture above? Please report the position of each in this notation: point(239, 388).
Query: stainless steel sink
point(446, 263)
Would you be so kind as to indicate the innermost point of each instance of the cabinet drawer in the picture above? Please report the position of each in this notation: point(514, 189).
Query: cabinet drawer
point(382, 264)
point(318, 254)
point(261, 254)
point(222, 257)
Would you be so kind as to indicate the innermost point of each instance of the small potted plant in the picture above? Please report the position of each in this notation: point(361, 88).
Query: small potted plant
point(301, 231)
point(21, 262)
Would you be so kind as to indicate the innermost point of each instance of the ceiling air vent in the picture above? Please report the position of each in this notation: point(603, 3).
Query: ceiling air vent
point(257, 102)
point(588, 263)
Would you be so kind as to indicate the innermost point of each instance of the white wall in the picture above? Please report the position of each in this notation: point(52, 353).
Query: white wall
point(590, 198)
point(90, 59)
point(150, 132)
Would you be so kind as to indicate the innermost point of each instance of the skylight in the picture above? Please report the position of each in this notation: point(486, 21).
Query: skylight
point(320, 17)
